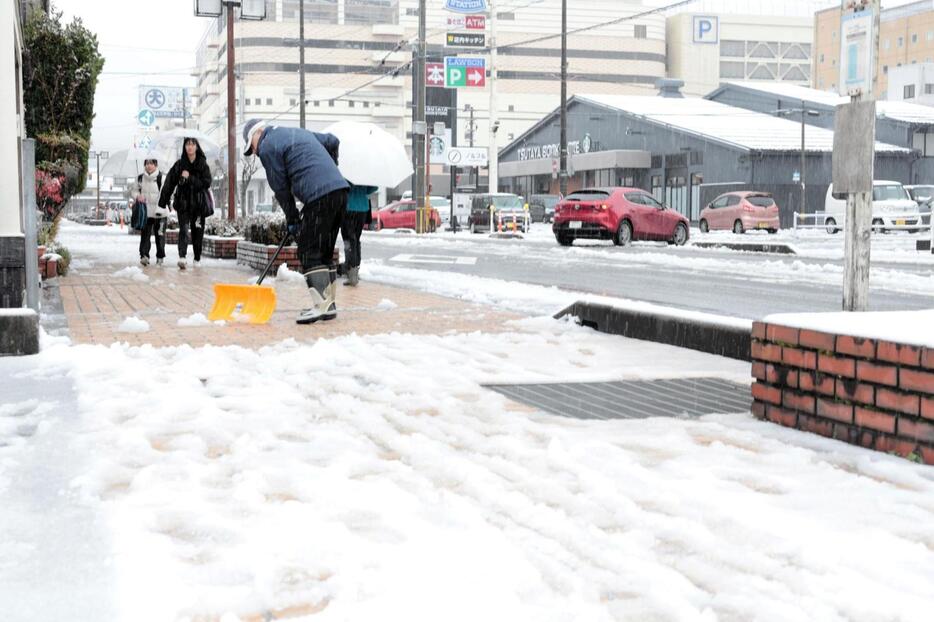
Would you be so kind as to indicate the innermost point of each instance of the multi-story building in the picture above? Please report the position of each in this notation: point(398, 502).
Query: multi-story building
point(912, 83)
point(906, 37)
point(708, 48)
point(357, 55)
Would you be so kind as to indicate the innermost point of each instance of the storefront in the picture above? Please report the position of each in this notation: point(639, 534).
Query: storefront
point(682, 150)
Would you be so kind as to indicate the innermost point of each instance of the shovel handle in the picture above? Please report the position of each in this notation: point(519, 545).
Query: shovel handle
point(285, 239)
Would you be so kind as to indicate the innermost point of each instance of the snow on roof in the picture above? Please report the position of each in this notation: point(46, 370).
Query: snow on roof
point(726, 124)
point(895, 110)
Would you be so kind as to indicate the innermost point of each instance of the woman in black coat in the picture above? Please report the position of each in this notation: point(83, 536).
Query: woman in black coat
point(189, 178)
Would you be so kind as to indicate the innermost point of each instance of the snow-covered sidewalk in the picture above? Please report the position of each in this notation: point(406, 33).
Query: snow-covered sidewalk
point(375, 479)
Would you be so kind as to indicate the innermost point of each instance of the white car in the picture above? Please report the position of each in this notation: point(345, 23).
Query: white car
point(891, 207)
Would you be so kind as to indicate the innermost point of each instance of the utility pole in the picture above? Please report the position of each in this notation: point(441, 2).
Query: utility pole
point(185, 108)
point(301, 64)
point(231, 118)
point(420, 127)
point(493, 174)
point(563, 173)
point(98, 155)
point(803, 179)
point(858, 221)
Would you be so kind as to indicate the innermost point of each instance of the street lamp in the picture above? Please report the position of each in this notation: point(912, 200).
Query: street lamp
point(97, 155)
point(804, 112)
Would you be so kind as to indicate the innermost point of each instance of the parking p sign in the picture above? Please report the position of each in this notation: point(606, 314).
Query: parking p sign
point(461, 71)
point(706, 29)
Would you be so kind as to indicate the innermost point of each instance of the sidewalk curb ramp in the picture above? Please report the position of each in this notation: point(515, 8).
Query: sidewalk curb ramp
point(753, 247)
point(695, 334)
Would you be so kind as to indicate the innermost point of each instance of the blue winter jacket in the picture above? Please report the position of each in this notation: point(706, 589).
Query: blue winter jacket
point(359, 198)
point(299, 164)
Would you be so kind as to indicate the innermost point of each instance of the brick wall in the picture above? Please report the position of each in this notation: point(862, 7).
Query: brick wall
point(258, 255)
point(220, 248)
point(873, 393)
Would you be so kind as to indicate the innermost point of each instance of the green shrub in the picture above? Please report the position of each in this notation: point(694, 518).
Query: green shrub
point(65, 262)
point(224, 228)
point(265, 229)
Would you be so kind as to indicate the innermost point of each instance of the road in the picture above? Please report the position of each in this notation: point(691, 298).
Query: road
point(746, 285)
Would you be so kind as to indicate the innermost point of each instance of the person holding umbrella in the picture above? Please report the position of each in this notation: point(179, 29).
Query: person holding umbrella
point(356, 216)
point(302, 164)
point(188, 179)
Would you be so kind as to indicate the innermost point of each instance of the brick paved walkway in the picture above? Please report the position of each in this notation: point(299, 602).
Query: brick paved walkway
point(96, 303)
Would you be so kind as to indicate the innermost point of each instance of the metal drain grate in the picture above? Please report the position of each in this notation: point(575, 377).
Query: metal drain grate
point(633, 399)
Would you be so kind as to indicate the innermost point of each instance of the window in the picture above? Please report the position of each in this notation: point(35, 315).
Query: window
point(351, 104)
point(269, 101)
point(317, 104)
point(733, 49)
point(901, 42)
point(506, 17)
point(371, 12)
point(512, 108)
point(720, 202)
point(731, 69)
point(293, 101)
point(330, 103)
point(929, 89)
point(909, 91)
point(822, 58)
point(366, 104)
point(886, 44)
point(257, 102)
point(641, 31)
point(914, 38)
point(885, 69)
point(930, 35)
point(732, 200)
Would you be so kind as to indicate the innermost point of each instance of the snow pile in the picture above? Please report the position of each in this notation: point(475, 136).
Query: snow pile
point(323, 475)
point(907, 327)
point(386, 305)
point(133, 273)
point(195, 319)
point(133, 325)
point(284, 275)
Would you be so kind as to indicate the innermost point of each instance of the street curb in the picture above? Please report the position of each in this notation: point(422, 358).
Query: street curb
point(695, 334)
point(754, 247)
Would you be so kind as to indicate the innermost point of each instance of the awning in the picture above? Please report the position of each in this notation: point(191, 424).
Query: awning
point(595, 161)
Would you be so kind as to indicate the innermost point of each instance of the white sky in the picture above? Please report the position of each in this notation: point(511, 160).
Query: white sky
point(153, 42)
point(139, 39)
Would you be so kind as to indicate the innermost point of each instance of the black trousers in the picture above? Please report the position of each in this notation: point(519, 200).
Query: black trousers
point(351, 230)
point(189, 221)
point(154, 226)
point(321, 222)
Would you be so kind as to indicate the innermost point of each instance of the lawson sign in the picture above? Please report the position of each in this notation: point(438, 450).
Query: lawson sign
point(465, 6)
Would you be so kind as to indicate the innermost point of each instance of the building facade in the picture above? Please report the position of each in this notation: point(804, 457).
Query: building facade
point(685, 151)
point(357, 64)
point(906, 37)
point(705, 49)
point(912, 83)
point(903, 124)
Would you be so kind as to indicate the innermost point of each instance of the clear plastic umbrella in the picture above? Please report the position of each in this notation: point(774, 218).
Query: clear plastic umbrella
point(169, 143)
point(125, 163)
point(369, 155)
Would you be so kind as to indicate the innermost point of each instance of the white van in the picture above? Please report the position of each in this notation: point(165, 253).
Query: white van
point(891, 207)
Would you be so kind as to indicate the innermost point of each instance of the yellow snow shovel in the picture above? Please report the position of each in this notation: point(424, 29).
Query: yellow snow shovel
point(251, 304)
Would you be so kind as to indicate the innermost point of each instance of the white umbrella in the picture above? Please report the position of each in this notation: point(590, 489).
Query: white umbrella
point(369, 155)
point(169, 143)
point(128, 163)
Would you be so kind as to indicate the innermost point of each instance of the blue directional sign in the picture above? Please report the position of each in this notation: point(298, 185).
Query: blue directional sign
point(146, 118)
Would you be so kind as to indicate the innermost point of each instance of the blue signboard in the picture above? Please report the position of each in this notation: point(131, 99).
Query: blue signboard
point(465, 6)
point(146, 118)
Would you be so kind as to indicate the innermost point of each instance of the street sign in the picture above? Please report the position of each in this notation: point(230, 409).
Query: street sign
point(465, 22)
point(466, 40)
point(439, 146)
point(467, 156)
point(145, 142)
point(146, 117)
point(856, 56)
point(165, 101)
point(465, 6)
point(796, 176)
point(434, 74)
point(463, 71)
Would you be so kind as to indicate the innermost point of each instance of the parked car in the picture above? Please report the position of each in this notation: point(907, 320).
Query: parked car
point(891, 207)
point(741, 211)
point(507, 208)
point(923, 196)
point(542, 207)
point(401, 215)
point(618, 214)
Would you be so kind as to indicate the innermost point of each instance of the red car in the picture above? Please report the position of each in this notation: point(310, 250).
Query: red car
point(619, 214)
point(741, 211)
point(401, 215)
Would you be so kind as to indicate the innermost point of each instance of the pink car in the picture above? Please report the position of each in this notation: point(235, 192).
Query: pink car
point(741, 211)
